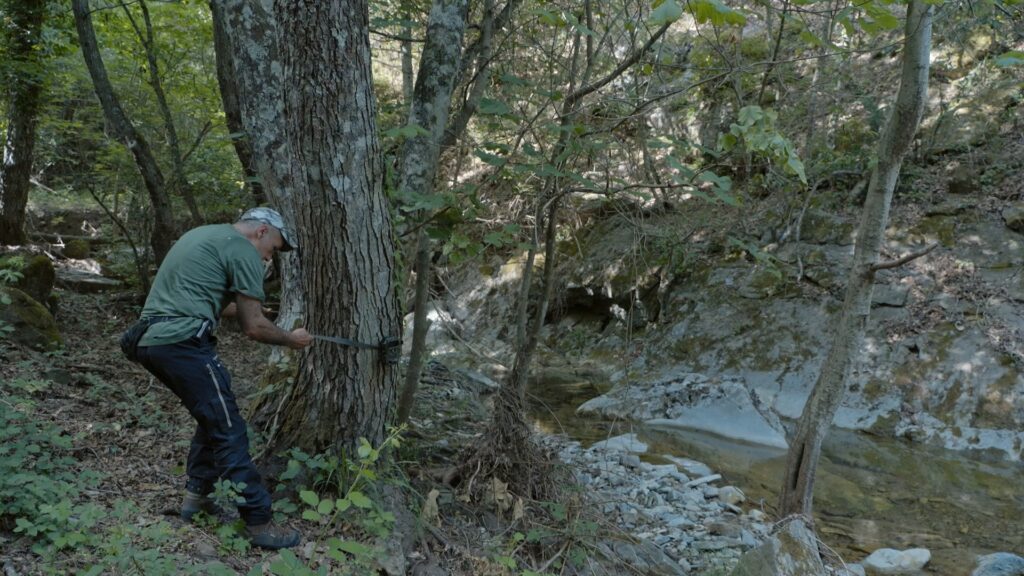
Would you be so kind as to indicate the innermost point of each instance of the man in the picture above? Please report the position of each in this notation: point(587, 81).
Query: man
point(214, 270)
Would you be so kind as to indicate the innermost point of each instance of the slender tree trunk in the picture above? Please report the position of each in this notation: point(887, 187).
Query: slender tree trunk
point(164, 231)
point(179, 180)
point(805, 446)
point(432, 97)
point(478, 86)
point(24, 92)
point(506, 449)
point(232, 109)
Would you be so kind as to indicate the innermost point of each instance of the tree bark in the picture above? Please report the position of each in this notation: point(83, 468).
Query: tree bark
point(328, 175)
point(432, 98)
point(25, 89)
point(805, 446)
point(164, 231)
point(226, 79)
point(479, 84)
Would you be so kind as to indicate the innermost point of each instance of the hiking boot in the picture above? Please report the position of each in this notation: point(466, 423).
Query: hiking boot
point(195, 503)
point(271, 536)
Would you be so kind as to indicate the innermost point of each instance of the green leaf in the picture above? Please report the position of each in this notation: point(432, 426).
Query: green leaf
point(343, 504)
point(715, 12)
point(491, 159)
point(312, 515)
point(408, 131)
point(496, 239)
point(665, 12)
point(354, 548)
point(1012, 58)
point(490, 106)
point(309, 497)
point(326, 506)
point(364, 449)
point(360, 500)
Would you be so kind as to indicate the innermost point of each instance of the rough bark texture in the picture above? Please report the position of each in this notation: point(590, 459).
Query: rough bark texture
point(232, 108)
point(343, 223)
point(431, 101)
point(805, 446)
point(24, 93)
point(479, 84)
point(163, 227)
point(250, 35)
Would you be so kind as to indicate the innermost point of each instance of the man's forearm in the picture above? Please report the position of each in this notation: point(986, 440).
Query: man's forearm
point(265, 331)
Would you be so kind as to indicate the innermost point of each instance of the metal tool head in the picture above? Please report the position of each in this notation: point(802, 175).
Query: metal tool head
point(391, 350)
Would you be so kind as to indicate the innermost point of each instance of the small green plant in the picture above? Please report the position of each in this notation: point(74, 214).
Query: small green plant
point(333, 486)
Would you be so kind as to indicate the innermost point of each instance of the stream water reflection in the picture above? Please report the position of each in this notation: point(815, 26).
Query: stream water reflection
point(870, 492)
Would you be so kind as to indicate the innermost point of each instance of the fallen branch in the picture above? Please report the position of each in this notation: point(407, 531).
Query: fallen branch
point(905, 259)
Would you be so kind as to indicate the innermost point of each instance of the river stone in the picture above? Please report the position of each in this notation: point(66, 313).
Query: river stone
point(731, 495)
point(886, 561)
point(32, 323)
point(624, 443)
point(793, 551)
point(999, 564)
point(642, 557)
point(1013, 216)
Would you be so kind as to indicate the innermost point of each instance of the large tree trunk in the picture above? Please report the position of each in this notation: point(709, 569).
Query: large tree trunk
point(249, 50)
point(164, 231)
point(232, 108)
point(805, 446)
point(317, 155)
point(24, 95)
point(431, 100)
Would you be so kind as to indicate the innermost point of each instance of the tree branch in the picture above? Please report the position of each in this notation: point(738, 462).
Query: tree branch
point(905, 259)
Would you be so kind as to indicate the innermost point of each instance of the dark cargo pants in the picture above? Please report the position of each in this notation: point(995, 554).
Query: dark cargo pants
point(220, 446)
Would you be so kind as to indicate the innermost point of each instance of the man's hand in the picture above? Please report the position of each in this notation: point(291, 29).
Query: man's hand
point(300, 339)
point(259, 328)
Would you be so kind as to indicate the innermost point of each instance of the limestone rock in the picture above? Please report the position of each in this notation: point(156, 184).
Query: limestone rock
point(642, 557)
point(886, 561)
point(30, 322)
point(1014, 217)
point(624, 443)
point(731, 495)
point(999, 564)
point(793, 551)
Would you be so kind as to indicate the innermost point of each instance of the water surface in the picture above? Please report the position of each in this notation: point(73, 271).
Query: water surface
point(870, 492)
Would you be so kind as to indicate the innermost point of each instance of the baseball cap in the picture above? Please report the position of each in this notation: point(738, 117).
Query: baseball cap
point(272, 217)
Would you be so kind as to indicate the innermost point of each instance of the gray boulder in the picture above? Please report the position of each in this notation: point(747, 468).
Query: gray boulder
point(999, 564)
point(792, 551)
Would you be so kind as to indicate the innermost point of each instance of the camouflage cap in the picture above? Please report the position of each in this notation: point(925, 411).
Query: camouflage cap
point(272, 217)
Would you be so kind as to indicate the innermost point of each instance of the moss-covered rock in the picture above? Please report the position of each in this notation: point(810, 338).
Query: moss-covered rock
point(77, 249)
point(38, 277)
point(26, 321)
point(792, 551)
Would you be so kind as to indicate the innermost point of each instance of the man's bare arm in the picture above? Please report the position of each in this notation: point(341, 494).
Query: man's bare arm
point(256, 326)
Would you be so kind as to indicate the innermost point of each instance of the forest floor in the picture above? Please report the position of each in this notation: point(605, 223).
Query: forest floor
point(111, 440)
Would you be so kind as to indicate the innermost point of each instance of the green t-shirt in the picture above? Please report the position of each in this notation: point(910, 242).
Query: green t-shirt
point(198, 278)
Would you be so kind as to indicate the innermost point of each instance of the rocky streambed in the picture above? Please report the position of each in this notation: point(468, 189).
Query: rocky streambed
point(648, 472)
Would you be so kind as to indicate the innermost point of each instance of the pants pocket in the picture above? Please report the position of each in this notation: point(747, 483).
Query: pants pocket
point(220, 395)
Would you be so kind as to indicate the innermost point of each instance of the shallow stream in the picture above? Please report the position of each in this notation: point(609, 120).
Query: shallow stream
point(870, 492)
